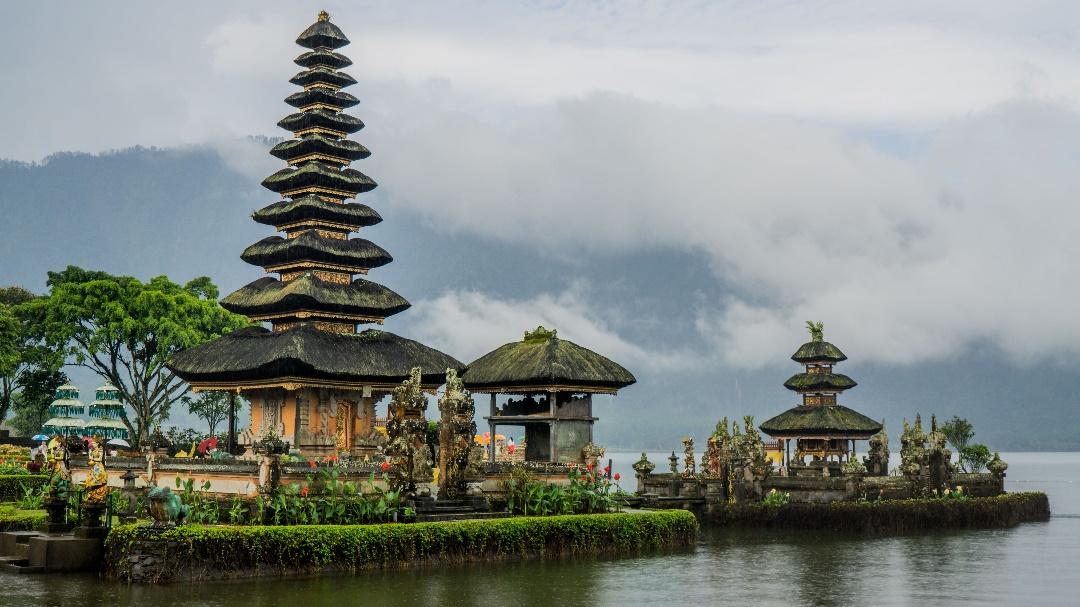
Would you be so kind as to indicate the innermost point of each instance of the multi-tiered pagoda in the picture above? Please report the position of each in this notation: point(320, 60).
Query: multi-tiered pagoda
point(821, 428)
point(312, 378)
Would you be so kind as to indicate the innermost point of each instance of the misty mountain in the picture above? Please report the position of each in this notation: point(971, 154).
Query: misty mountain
point(185, 212)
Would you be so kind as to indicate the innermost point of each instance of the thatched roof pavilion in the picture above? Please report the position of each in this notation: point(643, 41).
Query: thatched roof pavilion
point(821, 428)
point(556, 379)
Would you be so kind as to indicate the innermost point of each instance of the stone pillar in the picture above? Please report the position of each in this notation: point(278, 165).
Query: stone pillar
point(491, 430)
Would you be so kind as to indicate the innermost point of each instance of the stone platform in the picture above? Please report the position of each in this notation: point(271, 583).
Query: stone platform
point(36, 552)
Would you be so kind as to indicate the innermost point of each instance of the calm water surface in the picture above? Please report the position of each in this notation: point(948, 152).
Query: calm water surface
point(1033, 564)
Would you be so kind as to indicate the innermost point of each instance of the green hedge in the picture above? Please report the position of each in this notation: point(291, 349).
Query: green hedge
point(200, 552)
point(11, 485)
point(892, 516)
point(12, 519)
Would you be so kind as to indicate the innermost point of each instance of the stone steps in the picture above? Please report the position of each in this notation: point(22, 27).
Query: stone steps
point(432, 517)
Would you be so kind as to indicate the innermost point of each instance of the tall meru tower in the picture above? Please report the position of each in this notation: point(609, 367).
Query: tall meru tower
point(312, 378)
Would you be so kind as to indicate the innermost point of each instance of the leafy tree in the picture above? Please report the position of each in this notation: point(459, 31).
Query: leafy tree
point(974, 457)
point(22, 351)
point(31, 404)
point(211, 407)
point(125, 330)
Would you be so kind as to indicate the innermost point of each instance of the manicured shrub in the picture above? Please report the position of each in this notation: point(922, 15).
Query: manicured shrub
point(892, 516)
point(196, 552)
point(13, 486)
point(13, 519)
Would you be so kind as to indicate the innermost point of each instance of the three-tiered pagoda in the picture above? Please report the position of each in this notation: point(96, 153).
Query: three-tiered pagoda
point(820, 427)
point(312, 378)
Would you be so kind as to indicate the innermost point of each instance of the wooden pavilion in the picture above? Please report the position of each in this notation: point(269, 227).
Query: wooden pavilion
point(554, 381)
point(821, 428)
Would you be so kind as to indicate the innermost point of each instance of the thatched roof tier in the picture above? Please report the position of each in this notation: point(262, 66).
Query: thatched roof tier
point(829, 421)
point(322, 34)
point(322, 75)
point(312, 246)
point(311, 207)
point(323, 57)
point(311, 295)
point(543, 362)
point(818, 352)
point(813, 382)
point(334, 121)
point(321, 95)
point(320, 176)
point(254, 357)
point(317, 144)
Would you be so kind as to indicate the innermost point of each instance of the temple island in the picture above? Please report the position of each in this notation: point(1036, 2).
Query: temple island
point(343, 441)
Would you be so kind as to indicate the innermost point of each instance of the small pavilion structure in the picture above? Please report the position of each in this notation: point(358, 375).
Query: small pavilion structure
point(312, 379)
point(822, 429)
point(545, 385)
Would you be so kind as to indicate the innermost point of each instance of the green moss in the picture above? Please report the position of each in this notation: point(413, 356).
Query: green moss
point(892, 516)
point(827, 419)
point(229, 551)
point(542, 359)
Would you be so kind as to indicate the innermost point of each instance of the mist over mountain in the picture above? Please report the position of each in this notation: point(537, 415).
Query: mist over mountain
point(184, 212)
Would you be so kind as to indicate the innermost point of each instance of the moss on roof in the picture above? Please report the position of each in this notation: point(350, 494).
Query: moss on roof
point(542, 359)
point(835, 420)
point(255, 354)
point(802, 382)
point(319, 174)
point(311, 246)
point(337, 121)
point(818, 351)
point(313, 207)
point(307, 292)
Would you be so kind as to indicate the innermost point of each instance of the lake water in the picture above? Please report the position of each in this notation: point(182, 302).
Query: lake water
point(1032, 564)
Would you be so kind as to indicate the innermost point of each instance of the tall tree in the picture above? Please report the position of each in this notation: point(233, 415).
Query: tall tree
point(125, 330)
point(22, 351)
point(211, 407)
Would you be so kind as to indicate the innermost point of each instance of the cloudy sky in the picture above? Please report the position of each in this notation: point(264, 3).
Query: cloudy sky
point(905, 171)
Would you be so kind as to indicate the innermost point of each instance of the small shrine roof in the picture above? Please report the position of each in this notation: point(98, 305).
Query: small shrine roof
point(835, 421)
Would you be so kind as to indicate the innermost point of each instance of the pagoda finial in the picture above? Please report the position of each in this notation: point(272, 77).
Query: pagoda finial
point(324, 16)
point(817, 330)
point(540, 334)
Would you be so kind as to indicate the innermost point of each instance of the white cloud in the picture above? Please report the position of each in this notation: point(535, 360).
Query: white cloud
point(470, 323)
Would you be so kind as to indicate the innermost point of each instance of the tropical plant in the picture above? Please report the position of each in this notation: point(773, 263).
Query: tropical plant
point(775, 498)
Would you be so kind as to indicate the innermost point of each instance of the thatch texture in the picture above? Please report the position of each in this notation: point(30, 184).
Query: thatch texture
point(338, 99)
point(323, 75)
point(826, 420)
point(323, 57)
point(318, 174)
point(312, 207)
point(311, 246)
point(317, 143)
point(336, 121)
point(818, 352)
point(805, 382)
point(307, 292)
point(255, 354)
point(322, 33)
point(544, 360)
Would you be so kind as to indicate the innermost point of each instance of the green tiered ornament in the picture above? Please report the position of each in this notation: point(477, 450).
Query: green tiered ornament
point(65, 410)
point(106, 415)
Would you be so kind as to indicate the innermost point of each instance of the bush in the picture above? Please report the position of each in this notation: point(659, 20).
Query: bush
point(14, 486)
point(12, 519)
point(893, 516)
point(198, 552)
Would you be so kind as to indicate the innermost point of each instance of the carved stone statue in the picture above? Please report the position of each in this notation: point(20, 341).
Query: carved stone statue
point(97, 479)
point(877, 460)
point(456, 431)
point(689, 467)
point(407, 429)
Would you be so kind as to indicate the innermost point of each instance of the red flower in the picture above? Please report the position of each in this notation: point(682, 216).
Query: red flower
point(304, 492)
point(311, 464)
point(588, 467)
point(385, 466)
point(607, 469)
point(617, 476)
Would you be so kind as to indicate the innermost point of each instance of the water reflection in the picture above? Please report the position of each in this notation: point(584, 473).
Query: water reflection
point(1030, 564)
